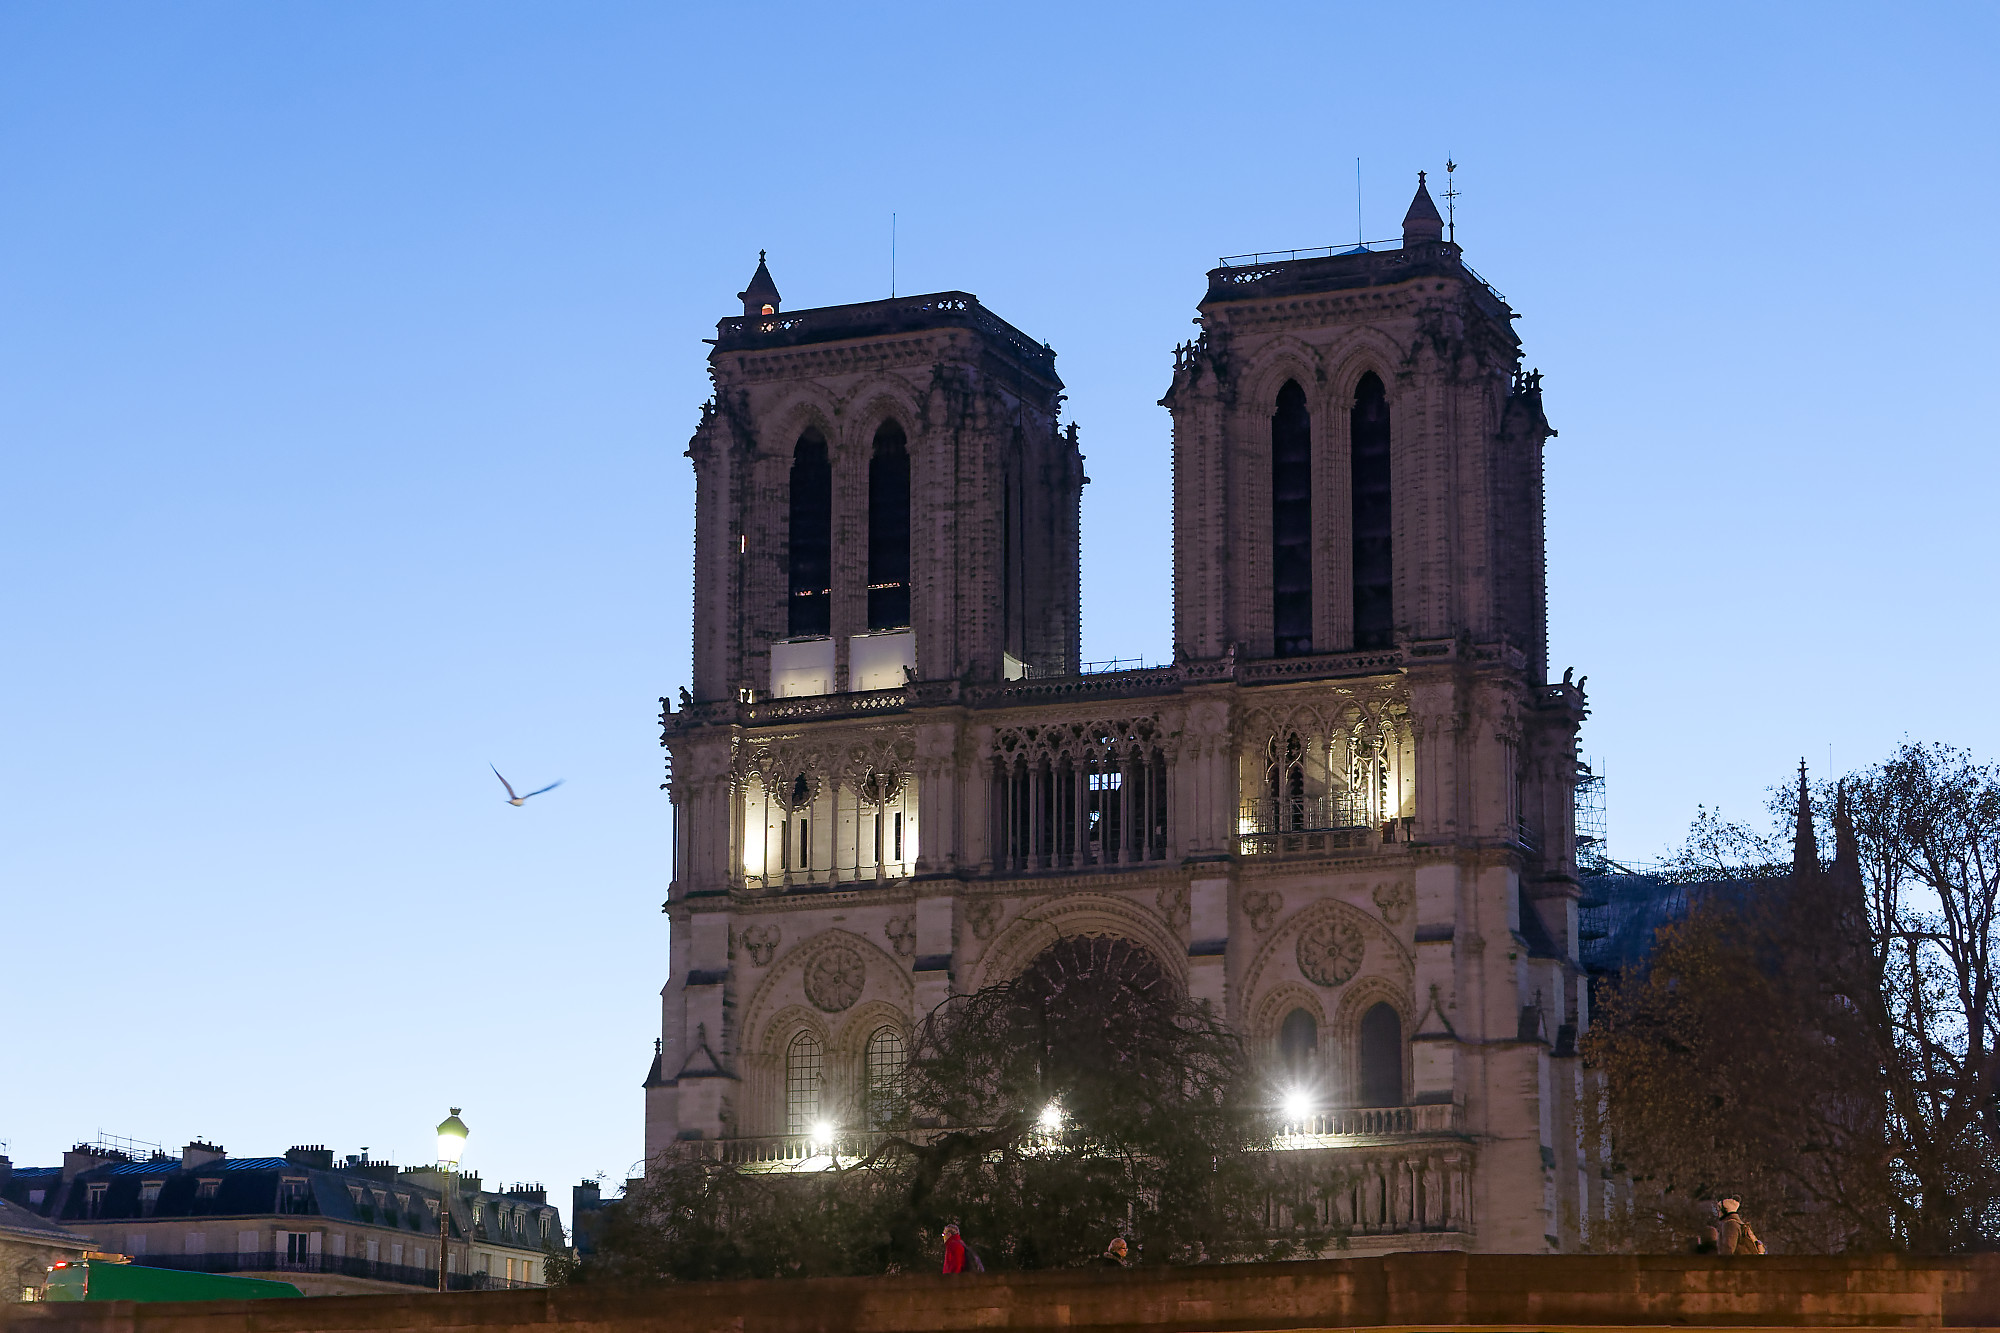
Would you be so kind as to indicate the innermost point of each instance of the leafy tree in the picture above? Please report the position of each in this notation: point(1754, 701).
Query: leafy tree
point(1823, 1043)
point(1085, 1099)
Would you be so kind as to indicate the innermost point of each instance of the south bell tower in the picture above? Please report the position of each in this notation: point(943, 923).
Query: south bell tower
point(1358, 491)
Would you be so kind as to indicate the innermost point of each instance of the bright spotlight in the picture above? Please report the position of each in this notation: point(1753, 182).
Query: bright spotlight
point(1298, 1106)
point(822, 1132)
point(1051, 1117)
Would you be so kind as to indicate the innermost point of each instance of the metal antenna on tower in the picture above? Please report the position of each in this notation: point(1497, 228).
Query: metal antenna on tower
point(892, 256)
point(1358, 241)
point(1451, 200)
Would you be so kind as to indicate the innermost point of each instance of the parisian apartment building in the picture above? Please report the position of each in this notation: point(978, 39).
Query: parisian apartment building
point(329, 1227)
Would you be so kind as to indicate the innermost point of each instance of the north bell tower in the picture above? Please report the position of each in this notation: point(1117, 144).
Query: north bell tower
point(882, 494)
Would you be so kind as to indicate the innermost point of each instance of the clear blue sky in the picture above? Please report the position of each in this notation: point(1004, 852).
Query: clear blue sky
point(348, 351)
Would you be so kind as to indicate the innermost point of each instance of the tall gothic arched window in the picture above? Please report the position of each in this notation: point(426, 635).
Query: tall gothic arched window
point(1291, 523)
point(1374, 569)
point(885, 1076)
point(809, 610)
point(1298, 1045)
point(805, 1062)
point(1381, 1057)
point(889, 529)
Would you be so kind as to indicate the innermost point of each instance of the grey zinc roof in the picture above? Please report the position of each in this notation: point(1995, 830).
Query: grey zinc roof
point(19, 1221)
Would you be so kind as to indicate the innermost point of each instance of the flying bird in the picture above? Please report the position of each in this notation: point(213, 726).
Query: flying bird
point(512, 799)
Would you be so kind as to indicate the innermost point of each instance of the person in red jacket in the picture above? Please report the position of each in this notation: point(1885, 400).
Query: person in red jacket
point(954, 1249)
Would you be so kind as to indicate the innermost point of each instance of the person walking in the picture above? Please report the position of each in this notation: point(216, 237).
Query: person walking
point(1732, 1233)
point(954, 1249)
point(1114, 1254)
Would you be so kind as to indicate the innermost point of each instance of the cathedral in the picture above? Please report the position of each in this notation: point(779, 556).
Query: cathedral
point(1343, 814)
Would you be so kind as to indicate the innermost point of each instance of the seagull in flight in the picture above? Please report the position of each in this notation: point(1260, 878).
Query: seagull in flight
point(512, 799)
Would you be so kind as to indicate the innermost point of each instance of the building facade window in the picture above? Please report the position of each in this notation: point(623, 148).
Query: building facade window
point(889, 530)
point(1291, 523)
point(1374, 532)
point(1298, 1046)
point(1381, 1057)
point(804, 1068)
point(885, 1076)
point(809, 553)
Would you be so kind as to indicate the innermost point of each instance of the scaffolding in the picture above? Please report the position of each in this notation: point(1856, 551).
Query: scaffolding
point(1592, 852)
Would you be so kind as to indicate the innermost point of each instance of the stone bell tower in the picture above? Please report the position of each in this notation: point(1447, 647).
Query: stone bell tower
point(1356, 462)
point(880, 488)
point(1358, 503)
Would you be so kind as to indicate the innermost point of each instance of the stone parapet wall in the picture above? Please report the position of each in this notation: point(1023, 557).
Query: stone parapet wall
point(1402, 1291)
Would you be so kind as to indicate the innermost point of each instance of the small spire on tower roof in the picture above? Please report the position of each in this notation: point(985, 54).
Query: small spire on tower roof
point(1805, 846)
point(1422, 222)
point(761, 296)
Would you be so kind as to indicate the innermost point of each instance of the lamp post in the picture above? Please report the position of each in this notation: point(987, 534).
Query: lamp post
point(451, 1146)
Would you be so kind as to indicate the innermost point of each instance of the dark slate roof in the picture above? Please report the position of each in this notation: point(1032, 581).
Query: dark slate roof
point(254, 1187)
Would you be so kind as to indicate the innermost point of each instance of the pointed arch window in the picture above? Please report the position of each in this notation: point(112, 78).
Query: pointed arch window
point(1298, 1045)
point(1374, 581)
point(808, 611)
point(885, 1076)
point(1291, 523)
point(1381, 1057)
point(1285, 781)
point(805, 1063)
point(889, 529)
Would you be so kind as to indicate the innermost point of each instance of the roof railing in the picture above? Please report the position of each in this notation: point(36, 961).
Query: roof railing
point(1320, 252)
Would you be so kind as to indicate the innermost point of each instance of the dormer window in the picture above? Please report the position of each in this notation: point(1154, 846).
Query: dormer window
point(94, 1205)
point(769, 310)
point(206, 1187)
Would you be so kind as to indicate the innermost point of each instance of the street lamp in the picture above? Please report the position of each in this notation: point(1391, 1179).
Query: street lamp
point(452, 1134)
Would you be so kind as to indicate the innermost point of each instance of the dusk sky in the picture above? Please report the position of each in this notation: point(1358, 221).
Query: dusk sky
point(348, 353)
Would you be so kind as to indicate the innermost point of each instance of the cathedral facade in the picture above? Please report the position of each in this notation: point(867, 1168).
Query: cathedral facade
point(1343, 814)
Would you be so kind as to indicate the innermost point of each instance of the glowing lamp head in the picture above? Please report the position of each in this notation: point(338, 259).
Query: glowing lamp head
point(451, 1134)
point(1050, 1118)
point(1297, 1105)
point(822, 1131)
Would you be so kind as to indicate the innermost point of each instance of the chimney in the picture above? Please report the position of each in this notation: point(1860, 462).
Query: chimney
point(88, 1157)
point(198, 1153)
point(313, 1155)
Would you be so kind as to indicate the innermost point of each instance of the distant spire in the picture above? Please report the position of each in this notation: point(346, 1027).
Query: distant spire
point(1423, 222)
point(761, 292)
point(1805, 847)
